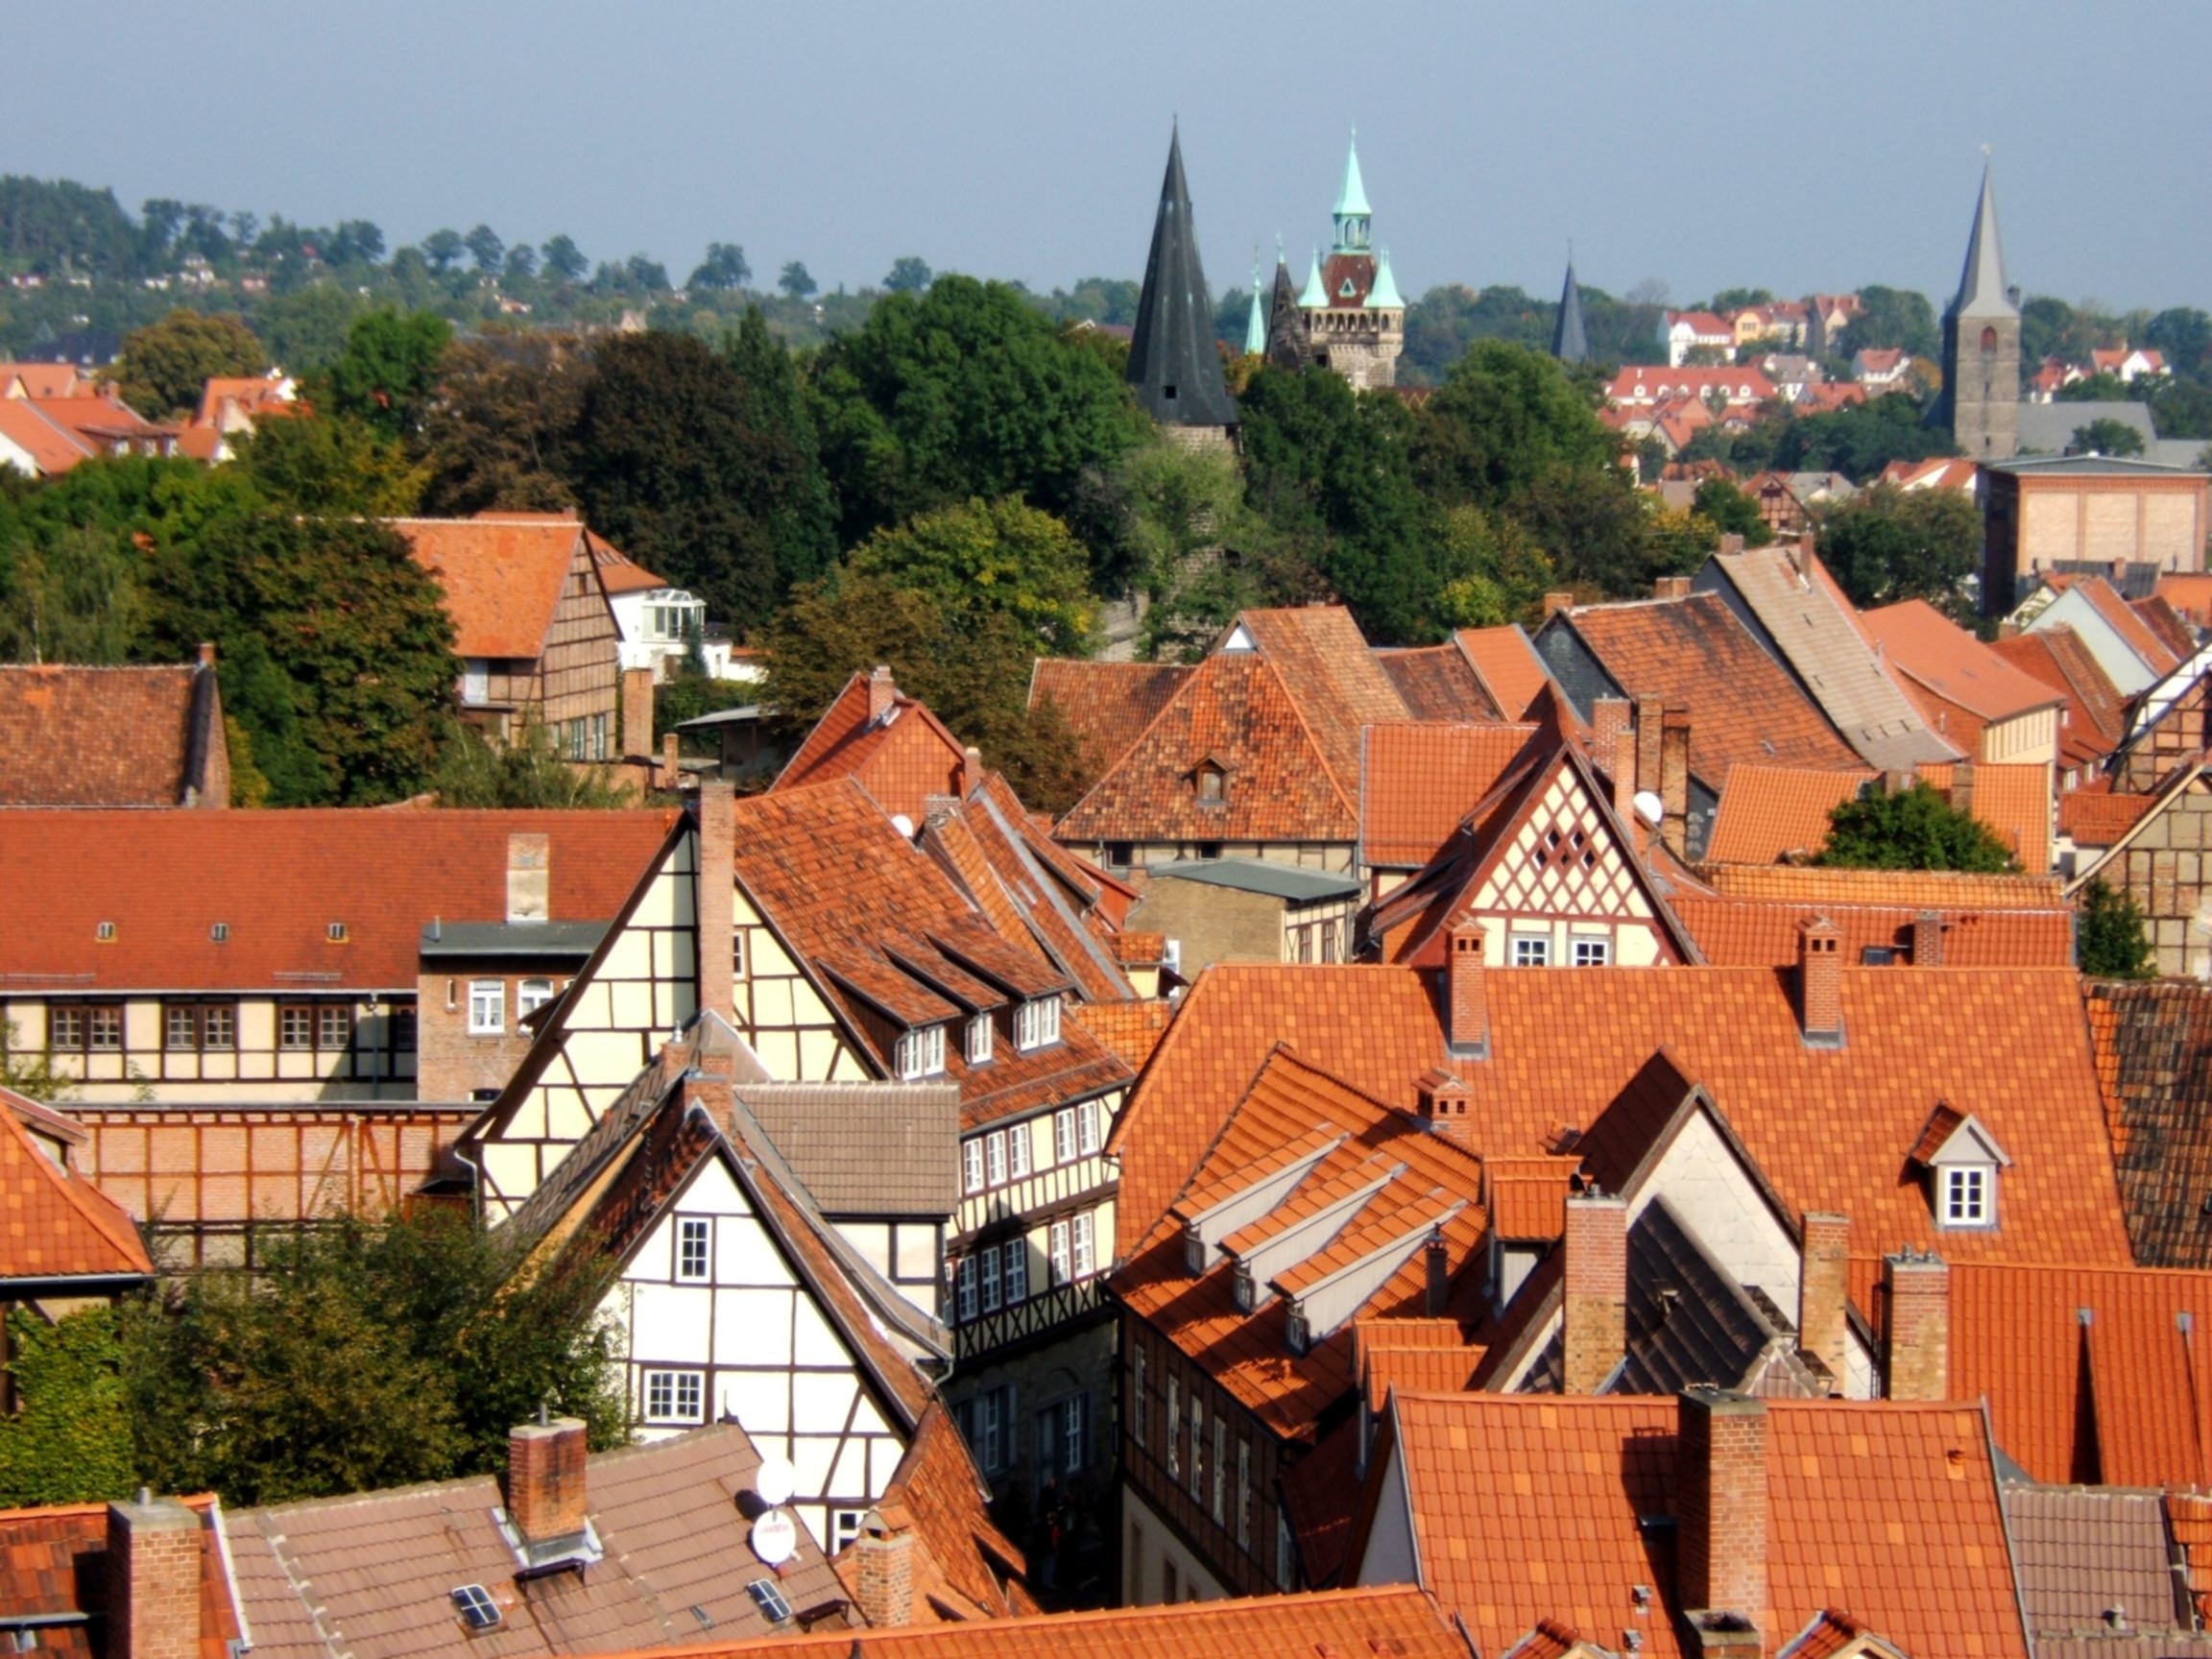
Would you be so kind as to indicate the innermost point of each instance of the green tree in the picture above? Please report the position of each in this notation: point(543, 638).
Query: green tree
point(1731, 511)
point(327, 464)
point(2183, 337)
point(522, 264)
point(165, 364)
point(796, 281)
point(1891, 317)
point(723, 270)
point(305, 329)
point(500, 430)
point(1502, 573)
point(2110, 941)
point(908, 275)
point(1507, 416)
point(564, 261)
point(525, 773)
point(486, 248)
point(366, 1354)
point(442, 249)
point(2103, 387)
point(2104, 435)
point(1859, 442)
point(1885, 544)
point(1914, 829)
point(70, 1442)
point(702, 466)
point(389, 369)
point(965, 390)
point(79, 598)
point(2181, 408)
point(1000, 556)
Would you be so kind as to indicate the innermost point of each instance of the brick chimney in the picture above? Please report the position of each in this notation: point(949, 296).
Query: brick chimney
point(1823, 1291)
point(1917, 1338)
point(1608, 719)
point(637, 713)
point(207, 654)
point(529, 877)
point(1650, 725)
point(1597, 1289)
point(882, 1579)
point(1820, 983)
point(1556, 602)
point(1441, 1102)
point(671, 772)
point(546, 1478)
point(1899, 780)
point(1466, 1009)
point(971, 770)
point(1962, 786)
point(1623, 756)
point(881, 693)
point(717, 903)
point(1437, 1274)
point(153, 1571)
point(1721, 1518)
point(1927, 940)
point(1675, 781)
point(1671, 588)
point(1731, 544)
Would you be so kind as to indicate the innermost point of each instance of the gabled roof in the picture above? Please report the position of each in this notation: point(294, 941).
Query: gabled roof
point(618, 573)
point(2159, 616)
point(2086, 1551)
point(53, 1565)
point(53, 448)
point(1507, 666)
point(2013, 800)
point(1329, 671)
point(966, 1569)
point(1937, 654)
point(903, 754)
point(1106, 705)
point(2154, 1046)
point(1811, 626)
point(39, 380)
point(2099, 817)
point(1132, 1031)
point(1437, 683)
point(899, 1166)
point(276, 882)
point(502, 574)
point(1769, 813)
point(1694, 655)
point(1830, 1127)
point(2106, 599)
point(1174, 363)
point(1527, 1508)
point(2095, 717)
point(55, 1224)
point(1419, 779)
point(372, 1572)
point(80, 737)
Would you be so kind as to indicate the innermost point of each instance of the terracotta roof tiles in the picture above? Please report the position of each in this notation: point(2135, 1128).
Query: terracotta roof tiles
point(1950, 662)
point(106, 736)
point(2014, 800)
point(1131, 1030)
point(54, 1562)
point(1417, 780)
point(54, 1222)
point(2099, 817)
point(1438, 682)
point(903, 756)
point(1107, 705)
point(2173, 632)
point(1771, 812)
point(502, 575)
point(2097, 711)
point(1506, 664)
point(2107, 601)
point(2153, 1051)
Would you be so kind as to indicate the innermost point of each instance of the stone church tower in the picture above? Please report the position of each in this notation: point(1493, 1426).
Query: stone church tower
point(1981, 400)
point(1174, 365)
point(1355, 320)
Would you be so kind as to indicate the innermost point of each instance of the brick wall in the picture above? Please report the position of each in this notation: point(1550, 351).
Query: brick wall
point(451, 1063)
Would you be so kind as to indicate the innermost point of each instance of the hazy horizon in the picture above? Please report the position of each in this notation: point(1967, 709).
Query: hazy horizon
point(1718, 145)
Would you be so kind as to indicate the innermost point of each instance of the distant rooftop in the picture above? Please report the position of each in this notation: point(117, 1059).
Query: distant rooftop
point(1259, 876)
point(578, 939)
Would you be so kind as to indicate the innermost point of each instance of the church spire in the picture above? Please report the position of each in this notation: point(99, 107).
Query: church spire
point(1256, 321)
point(1353, 217)
point(1982, 287)
point(1173, 364)
point(1570, 342)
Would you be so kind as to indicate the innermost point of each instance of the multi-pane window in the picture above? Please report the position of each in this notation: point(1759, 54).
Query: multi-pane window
point(921, 1053)
point(1198, 1447)
point(693, 1238)
point(1532, 950)
point(296, 1026)
point(1037, 1024)
point(980, 1033)
point(1074, 1435)
point(487, 1007)
point(995, 1157)
point(531, 995)
point(989, 1274)
point(1017, 1151)
point(85, 1027)
point(205, 1026)
point(1282, 1561)
point(964, 1288)
point(598, 737)
point(1085, 1257)
point(1017, 1257)
point(1243, 1494)
point(1175, 1426)
point(1140, 1407)
point(1220, 1466)
point(1059, 1242)
point(1064, 1135)
point(1593, 952)
point(844, 1527)
point(403, 1030)
point(990, 1431)
point(1966, 1195)
point(972, 1165)
point(333, 1027)
point(675, 1396)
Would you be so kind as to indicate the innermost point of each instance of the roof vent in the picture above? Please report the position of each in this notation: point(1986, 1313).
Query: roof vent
point(220, 932)
point(477, 1610)
point(105, 932)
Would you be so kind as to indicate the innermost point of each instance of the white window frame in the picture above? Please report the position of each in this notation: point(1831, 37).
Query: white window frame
point(1064, 1135)
point(1593, 952)
point(693, 1230)
point(1220, 1508)
point(531, 995)
point(988, 1272)
point(487, 1007)
point(1282, 1560)
point(475, 682)
point(1017, 1270)
point(1968, 1196)
point(1037, 1024)
point(1074, 1436)
point(964, 1290)
point(845, 1527)
point(1532, 950)
point(665, 1395)
point(989, 1424)
point(995, 1158)
point(1087, 1127)
point(1057, 1237)
point(1243, 1494)
point(1017, 1151)
point(1197, 1448)
point(921, 1053)
point(1174, 1424)
point(971, 1164)
point(978, 1039)
point(1140, 1407)
point(1081, 1234)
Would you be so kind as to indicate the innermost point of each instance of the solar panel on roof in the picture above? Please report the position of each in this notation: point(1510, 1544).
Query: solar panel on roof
point(769, 1600)
point(477, 1610)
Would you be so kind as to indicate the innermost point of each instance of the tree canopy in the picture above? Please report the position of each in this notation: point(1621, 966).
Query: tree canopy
point(1914, 829)
point(2110, 941)
point(165, 364)
point(1885, 544)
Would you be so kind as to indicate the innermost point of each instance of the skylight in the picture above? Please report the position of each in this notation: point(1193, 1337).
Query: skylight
point(477, 1610)
point(769, 1600)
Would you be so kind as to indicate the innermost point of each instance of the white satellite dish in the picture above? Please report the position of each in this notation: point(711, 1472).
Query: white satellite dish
point(1650, 808)
point(775, 1539)
point(774, 1482)
point(903, 825)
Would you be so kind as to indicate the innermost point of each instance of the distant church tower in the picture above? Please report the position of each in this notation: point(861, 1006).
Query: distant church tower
point(1981, 346)
point(1355, 320)
point(1570, 339)
point(1174, 363)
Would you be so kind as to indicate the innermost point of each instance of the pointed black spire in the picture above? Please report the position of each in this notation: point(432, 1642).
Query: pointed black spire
point(1174, 363)
point(1570, 344)
point(1287, 344)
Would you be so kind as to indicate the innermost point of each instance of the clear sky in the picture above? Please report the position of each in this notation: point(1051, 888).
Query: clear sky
point(1704, 144)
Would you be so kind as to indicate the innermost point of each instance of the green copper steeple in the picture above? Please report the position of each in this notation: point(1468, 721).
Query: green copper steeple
point(1352, 212)
point(1384, 295)
point(1316, 295)
point(1256, 324)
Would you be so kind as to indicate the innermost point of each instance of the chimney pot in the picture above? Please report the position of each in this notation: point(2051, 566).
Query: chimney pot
point(971, 770)
point(715, 906)
point(1731, 544)
point(1671, 588)
point(1823, 1291)
point(1467, 1007)
point(1820, 983)
point(1436, 1259)
point(1440, 1102)
point(1720, 1516)
point(529, 876)
point(546, 1478)
point(1917, 1335)
point(1608, 719)
point(1596, 1243)
point(1962, 786)
point(1555, 602)
point(881, 692)
point(671, 769)
point(1623, 757)
point(207, 654)
point(153, 1566)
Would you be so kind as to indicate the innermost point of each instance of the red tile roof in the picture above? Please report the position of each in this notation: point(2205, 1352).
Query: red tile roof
point(2014, 800)
point(108, 736)
point(278, 882)
point(2099, 817)
point(54, 1222)
point(54, 1561)
point(1769, 813)
point(1744, 708)
point(1132, 1029)
point(618, 573)
point(1417, 780)
point(2154, 1046)
point(40, 381)
point(1107, 705)
point(2161, 616)
point(1331, 675)
point(1756, 912)
point(1507, 666)
point(2095, 717)
point(901, 757)
point(2092, 1373)
point(1438, 682)
point(1528, 1508)
point(1937, 654)
point(52, 446)
point(1830, 1127)
point(967, 1568)
point(248, 394)
point(2190, 593)
point(502, 574)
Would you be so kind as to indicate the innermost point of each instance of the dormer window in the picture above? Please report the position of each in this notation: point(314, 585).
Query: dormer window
point(979, 1036)
point(1963, 1162)
point(1969, 1193)
point(1210, 784)
point(1296, 1332)
point(921, 1053)
point(1037, 1024)
point(336, 933)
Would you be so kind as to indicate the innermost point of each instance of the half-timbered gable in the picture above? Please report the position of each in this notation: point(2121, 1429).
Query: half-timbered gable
point(1547, 868)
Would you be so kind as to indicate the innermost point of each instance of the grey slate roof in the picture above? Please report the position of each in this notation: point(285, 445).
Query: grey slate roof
point(1285, 881)
point(2085, 1552)
point(1173, 364)
point(554, 939)
point(2047, 428)
point(1286, 345)
point(866, 1149)
point(1570, 342)
point(1981, 286)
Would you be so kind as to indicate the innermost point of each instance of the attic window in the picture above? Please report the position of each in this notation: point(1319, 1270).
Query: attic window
point(220, 932)
point(921, 1053)
point(1296, 1332)
point(336, 933)
point(477, 1610)
point(1969, 1196)
point(770, 1601)
point(1037, 1024)
point(105, 932)
point(1210, 785)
